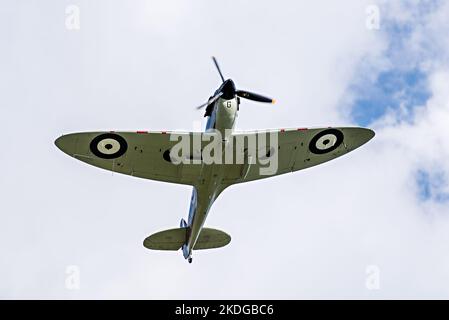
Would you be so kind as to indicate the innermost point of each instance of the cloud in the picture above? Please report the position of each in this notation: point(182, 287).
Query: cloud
point(304, 235)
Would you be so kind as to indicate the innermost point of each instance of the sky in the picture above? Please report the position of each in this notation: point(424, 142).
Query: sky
point(373, 224)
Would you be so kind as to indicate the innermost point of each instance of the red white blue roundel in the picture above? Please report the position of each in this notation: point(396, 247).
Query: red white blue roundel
point(326, 141)
point(108, 146)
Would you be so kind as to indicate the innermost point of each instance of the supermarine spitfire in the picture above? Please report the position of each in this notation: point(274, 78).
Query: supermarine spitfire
point(237, 157)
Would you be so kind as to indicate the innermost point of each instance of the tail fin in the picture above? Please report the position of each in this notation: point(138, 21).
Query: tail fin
point(174, 239)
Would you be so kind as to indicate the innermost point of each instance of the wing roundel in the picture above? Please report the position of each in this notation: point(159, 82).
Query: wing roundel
point(108, 146)
point(326, 141)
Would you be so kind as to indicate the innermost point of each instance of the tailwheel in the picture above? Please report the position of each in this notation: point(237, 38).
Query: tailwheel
point(190, 260)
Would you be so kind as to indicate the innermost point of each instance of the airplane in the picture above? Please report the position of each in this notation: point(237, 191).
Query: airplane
point(150, 155)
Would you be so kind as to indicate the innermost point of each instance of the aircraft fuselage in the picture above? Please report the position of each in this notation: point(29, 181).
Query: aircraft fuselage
point(209, 187)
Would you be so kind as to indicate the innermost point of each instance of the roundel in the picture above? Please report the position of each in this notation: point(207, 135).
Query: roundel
point(326, 141)
point(108, 146)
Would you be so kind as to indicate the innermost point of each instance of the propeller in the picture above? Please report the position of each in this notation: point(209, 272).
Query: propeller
point(254, 96)
point(210, 101)
point(228, 91)
point(218, 68)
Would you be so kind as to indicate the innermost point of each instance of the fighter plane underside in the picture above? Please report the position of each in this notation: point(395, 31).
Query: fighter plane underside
point(210, 161)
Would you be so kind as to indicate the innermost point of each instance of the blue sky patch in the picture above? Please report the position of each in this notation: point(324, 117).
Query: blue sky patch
point(391, 89)
point(404, 84)
point(430, 186)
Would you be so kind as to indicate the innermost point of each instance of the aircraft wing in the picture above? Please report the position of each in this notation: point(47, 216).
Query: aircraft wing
point(146, 154)
point(299, 149)
point(141, 154)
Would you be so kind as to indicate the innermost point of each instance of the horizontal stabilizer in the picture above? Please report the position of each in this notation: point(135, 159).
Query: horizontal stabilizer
point(173, 239)
point(212, 238)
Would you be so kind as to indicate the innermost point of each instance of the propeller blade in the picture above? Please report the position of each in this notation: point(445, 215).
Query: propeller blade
point(218, 68)
point(254, 96)
point(202, 106)
point(210, 101)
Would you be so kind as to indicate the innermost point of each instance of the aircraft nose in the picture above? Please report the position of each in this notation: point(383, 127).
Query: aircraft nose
point(228, 90)
point(66, 144)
